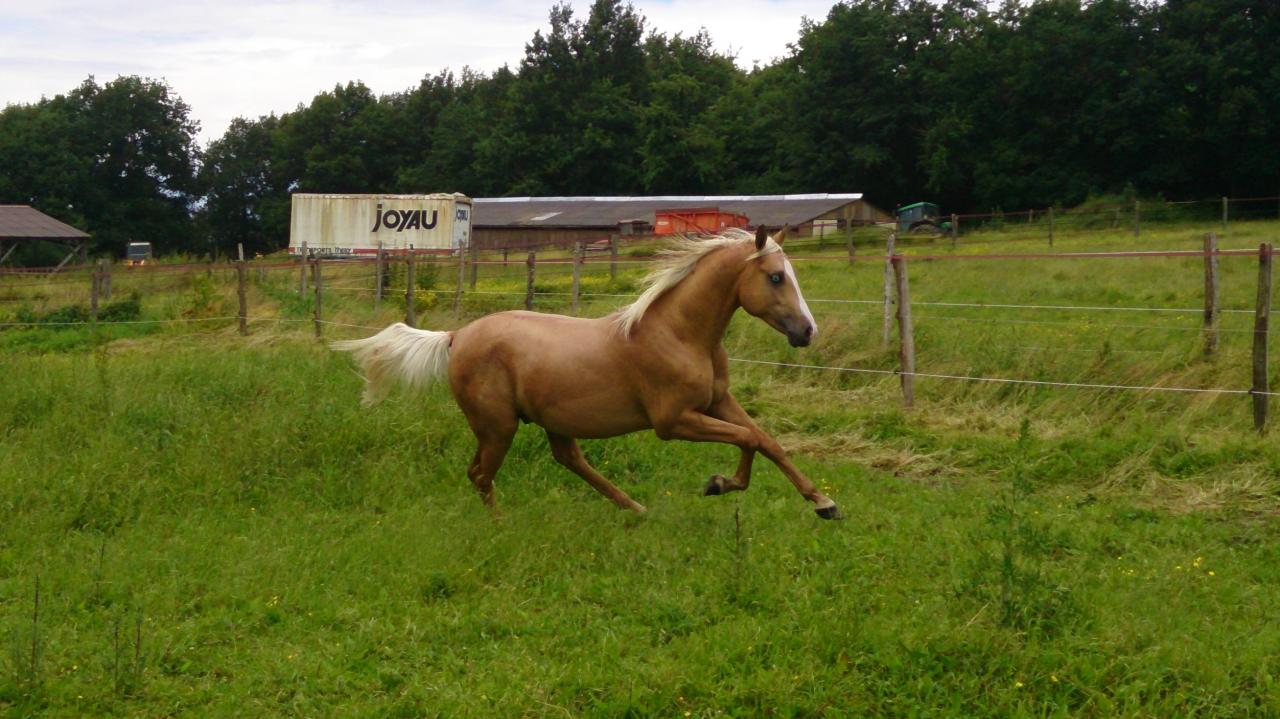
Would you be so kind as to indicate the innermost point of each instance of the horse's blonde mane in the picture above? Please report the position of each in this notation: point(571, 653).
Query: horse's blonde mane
point(678, 260)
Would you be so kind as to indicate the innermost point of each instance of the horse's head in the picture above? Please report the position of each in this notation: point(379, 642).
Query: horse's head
point(768, 289)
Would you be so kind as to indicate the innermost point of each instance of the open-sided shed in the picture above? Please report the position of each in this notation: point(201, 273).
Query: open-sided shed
point(23, 223)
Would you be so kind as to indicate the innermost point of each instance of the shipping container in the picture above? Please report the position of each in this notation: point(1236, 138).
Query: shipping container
point(337, 225)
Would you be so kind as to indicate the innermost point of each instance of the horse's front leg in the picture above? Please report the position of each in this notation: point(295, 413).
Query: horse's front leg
point(824, 505)
point(695, 426)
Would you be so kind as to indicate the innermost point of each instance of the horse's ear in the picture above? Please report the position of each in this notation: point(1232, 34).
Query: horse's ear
point(783, 233)
point(762, 235)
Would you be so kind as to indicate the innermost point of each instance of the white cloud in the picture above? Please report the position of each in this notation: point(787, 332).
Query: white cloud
point(254, 57)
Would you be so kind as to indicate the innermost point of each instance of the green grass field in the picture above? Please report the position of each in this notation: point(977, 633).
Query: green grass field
point(214, 527)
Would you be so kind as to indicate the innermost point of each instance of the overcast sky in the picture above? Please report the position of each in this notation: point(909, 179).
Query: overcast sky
point(254, 57)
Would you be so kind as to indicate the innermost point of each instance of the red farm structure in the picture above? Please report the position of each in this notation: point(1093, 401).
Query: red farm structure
point(696, 220)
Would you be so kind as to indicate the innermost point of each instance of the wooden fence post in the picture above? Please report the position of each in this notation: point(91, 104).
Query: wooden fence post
point(240, 290)
point(475, 263)
point(318, 279)
point(613, 256)
point(1211, 294)
point(95, 283)
point(579, 255)
point(462, 271)
point(528, 287)
point(1051, 227)
point(955, 228)
point(890, 247)
point(378, 275)
point(106, 278)
point(1261, 320)
point(409, 302)
point(1137, 219)
point(906, 333)
point(1224, 212)
point(852, 249)
point(302, 272)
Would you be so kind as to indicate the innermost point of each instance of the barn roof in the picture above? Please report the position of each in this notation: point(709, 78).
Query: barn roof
point(604, 212)
point(22, 222)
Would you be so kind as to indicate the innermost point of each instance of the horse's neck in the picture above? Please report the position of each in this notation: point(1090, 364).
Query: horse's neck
point(698, 309)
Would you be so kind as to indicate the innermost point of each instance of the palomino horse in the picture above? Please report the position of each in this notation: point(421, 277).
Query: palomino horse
point(659, 363)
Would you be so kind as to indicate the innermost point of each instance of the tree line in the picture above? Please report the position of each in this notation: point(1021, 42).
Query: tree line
point(1029, 104)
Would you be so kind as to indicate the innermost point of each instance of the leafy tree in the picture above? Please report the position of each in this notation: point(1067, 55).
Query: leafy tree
point(976, 107)
point(572, 122)
point(1219, 65)
point(143, 150)
point(40, 164)
point(753, 118)
point(247, 196)
point(465, 148)
point(116, 160)
point(681, 151)
point(860, 102)
point(338, 142)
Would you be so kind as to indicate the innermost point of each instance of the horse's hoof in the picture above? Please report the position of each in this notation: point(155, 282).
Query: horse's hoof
point(715, 486)
point(832, 512)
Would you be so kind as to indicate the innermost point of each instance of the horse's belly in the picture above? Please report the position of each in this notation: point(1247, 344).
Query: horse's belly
point(589, 415)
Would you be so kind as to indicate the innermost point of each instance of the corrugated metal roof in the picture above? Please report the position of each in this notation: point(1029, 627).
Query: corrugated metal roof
point(771, 210)
point(22, 222)
point(457, 196)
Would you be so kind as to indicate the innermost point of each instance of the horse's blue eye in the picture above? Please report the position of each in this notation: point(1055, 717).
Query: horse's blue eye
point(775, 278)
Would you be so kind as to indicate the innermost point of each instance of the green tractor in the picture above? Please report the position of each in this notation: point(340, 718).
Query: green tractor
point(922, 218)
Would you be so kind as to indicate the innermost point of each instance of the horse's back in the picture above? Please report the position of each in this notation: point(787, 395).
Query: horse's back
point(505, 335)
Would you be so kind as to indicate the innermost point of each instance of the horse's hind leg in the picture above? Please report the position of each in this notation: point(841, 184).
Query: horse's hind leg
point(494, 424)
point(489, 455)
point(491, 415)
point(568, 453)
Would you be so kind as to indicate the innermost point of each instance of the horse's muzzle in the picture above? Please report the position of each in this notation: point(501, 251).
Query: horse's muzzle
point(801, 338)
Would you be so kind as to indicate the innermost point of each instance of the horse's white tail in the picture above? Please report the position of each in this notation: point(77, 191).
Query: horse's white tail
point(400, 352)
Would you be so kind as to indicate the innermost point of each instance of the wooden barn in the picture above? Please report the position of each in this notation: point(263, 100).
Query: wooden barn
point(517, 222)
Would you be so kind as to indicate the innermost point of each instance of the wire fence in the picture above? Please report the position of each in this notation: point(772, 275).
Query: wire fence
point(320, 293)
point(1003, 380)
